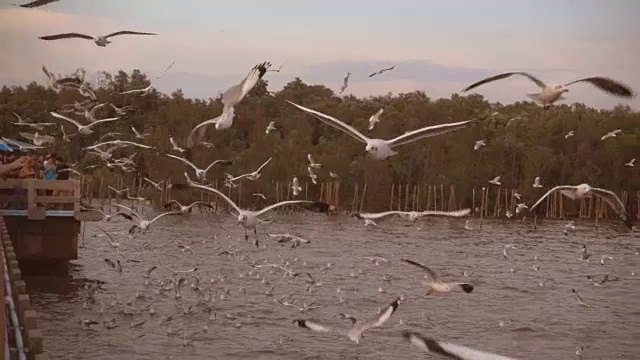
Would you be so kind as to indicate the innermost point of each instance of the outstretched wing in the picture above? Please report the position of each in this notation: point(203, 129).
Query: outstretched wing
point(564, 189)
point(504, 76)
point(127, 32)
point(333, 122)
point(616, 204)
point(427, 131)
point(424, 267)
point(451, 351)
point(608, 85)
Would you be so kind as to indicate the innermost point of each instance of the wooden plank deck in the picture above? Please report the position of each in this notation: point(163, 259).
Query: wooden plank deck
point(34, 198)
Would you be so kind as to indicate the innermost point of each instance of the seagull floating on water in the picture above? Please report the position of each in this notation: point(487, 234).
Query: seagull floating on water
point(436, 284)
point(357, 327)
point(101, 41)
point(449, 350)
point(378, 148)
point(552, 93)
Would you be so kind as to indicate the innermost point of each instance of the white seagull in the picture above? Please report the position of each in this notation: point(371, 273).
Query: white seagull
point(436, 284)
point(101, 41)
point(156, 185)
point(37, 139)
point(143, 225)
point(536, 182)
point(82, 129)
point(611, 134)
point(412, 216)
point(378, 148)
point(230, 98)
point(185, 209)
point(270, 127)
point(201, 174)
point(479, 144)
point(570, 134)
point(375, 118)
point(631, 163)
point(312, 162)
point(449, 350)
point(570, 227)
point(582, 191)
point(90, 114)
point(66, 137)
point(312, 175)
point(121, 111)
point(345, 83)
point(251, 176)
point(247, 218)
point(34, 126)
point(175, 145)
point(552, 93)
point(137, 134)
point(496, 181)
point(357, 327)
point(295, 186)
point(120, 143)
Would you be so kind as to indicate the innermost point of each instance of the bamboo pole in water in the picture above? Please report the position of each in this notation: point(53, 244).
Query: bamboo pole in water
point(406, 197)
point(354, 199)
point(435, 198)
point(473, 201)
point(321, 192)
point(336, 201)
point(482, 202)
point(391, 197)
point(496, 204)
point(442, 196)
point(364, 192)
point(486, 203)
point(428, 197)
point(414, 198)
point(418, 198)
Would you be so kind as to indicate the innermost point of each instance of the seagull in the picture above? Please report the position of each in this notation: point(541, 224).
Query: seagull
point(552, 93)
point(536, 182)
point(345, 83)
point(357, 327)
point(611, 134)
point(312, 162)
point(449, 350)
point(101, 41)
point(69, 170)
point(201, 174)
point(582, 191)
point(175, 145)
point(409, 215)
point(137, 134)
point(584, 255)
point(295, 240)
point(631, 163)
point(82, 129)
point(58, 84)
point(230, 98)
point(186, 209)
point(467, 225)
point(37, 3)
point(143, 91)
point(333, 175)
point(90, 115)
point(496, 181)
point(570, 134)
point(270, 127)
point(66, 137)
point(312, 175)
point(251, 176)
point(579, 298)
point(520, 208)
point(436, 284)
point(605, 257)
point(295, 186)
point(119, 192)
point(479, 144)
point(375, 118)
point(512, 120)
point(121, 111)
point(260, 196)
point(120, 143)
point(37, 139)
point(247, 218)
point(35, 126)
point(143, 225)
point(378, 148)
point(156, 185)
point(106, 217)
point(380, 72)
point(570, 227)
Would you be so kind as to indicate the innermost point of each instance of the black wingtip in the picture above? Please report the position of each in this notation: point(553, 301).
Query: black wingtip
point(468, 288)
point(300, 323)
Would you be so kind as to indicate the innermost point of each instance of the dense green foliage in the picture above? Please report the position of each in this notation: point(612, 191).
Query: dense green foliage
point(530, 147)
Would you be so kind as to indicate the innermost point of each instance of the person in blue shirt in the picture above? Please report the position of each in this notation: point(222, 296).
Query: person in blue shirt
point(49, 171)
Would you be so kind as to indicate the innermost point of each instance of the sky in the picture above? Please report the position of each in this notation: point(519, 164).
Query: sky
point(437, 46)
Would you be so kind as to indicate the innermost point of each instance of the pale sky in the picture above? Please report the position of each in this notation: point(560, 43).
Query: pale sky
point(437, 46)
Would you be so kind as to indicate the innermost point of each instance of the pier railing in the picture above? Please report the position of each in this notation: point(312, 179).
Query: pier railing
point(38, 198)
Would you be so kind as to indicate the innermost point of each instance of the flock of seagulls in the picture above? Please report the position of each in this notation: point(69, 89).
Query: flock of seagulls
point(249, 219)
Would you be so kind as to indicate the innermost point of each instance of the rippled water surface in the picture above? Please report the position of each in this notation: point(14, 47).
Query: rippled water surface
point(513, 310)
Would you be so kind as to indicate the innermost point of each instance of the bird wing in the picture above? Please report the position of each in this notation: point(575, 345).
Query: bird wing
point(312, 325)
point(92, 112)
point(451, 351)
point(557, 188)
point(167, 213)
point(237, 92)
point(187, 162)
point(335, 123)
point(102, 121)
point(127, 32)
point(427, 131)
point(218, 192)
point(66, 36)
point(27, 136)
point(263, 165)
point(424, 267)
point(383, 316)
point(608, 85)
point(130, 210)
point(614, 201)
point(504, 76)
point(202, 203)
point(282, 203)
point(380, 215)
point(457, 213)
point(37, 3)
point(55, 114)
point(224, 162)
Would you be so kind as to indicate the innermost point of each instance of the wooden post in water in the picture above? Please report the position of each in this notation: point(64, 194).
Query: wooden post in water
point(391, 197)
point(406, 197)
point(418, 198)
point(428, 197)
point(473, 201)
point(364, 192)
point(435, 198)
point(442, 196)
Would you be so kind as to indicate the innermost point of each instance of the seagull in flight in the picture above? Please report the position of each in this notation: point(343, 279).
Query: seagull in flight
point(312, 162)
point(570, 134)
point(247, 218)
point(295, 186)
point(101, 41)
point(579, 298)
point(479, 144)
point(90, 114)
point(408, 215)
point(357, 327)
point(121, 111)
point(37, 3)
point(496, 181)
point(156, 185)
point(631, 163)
point(35, 126)
point(536, 182)
point(119, 143)
point(82, 129)
point(583, 191)
point(143, 225)
point(345, 83)
point(201, 174)
point(270, 127)
point(436, 283)
point(185, 209)
point(375, 118)
point(106, 217)
point(312, 175)
point(175, 145)
point(611, 134)
point(230, 99)
point(66, 137)
point(37, 139)
point(552, 93)
point(381, 71)
point(138, 134)
point(449, 350)
point(378, 148)
point(251, 176)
